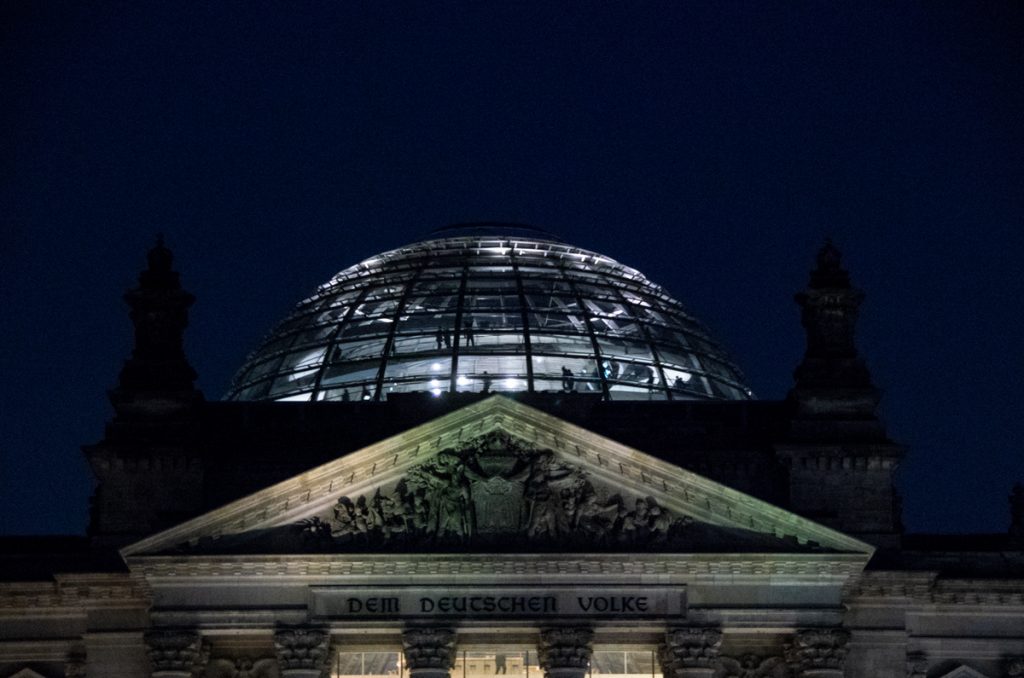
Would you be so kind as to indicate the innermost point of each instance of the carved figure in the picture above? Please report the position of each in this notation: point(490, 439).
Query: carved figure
point(547, 478)
point(344, 522)
point(595, 521)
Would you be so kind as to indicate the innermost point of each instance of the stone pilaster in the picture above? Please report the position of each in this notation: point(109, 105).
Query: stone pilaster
point(302, 652)
point(429, 652)
point(174, 653)
point(690, 652)
point(917, 665)
point(565, 652)
point(818, 653)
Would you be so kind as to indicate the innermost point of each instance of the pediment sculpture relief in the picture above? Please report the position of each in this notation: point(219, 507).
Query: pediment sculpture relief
point(496, 490)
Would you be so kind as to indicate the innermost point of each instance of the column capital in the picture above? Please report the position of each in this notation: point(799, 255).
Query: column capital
point(818, 652)
point(174, 653)
point(1015, 666)
point(429, 651)
point(302, 652)
point(565, 648)
point(687, 648)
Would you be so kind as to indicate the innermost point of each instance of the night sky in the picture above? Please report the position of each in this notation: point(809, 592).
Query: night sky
point(713, 146)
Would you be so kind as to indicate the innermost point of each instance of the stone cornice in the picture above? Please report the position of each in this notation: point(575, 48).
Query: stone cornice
point(840, 567)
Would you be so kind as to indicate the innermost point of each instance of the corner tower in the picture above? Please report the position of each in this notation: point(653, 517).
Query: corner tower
point(148, 477)
point(839, 458)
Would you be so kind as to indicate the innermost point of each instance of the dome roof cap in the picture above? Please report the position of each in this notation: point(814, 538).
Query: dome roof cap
point(489, 307)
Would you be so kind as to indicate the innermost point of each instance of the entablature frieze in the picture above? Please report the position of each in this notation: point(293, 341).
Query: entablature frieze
point(75, 591)
point(838, 568)
point(929, 588)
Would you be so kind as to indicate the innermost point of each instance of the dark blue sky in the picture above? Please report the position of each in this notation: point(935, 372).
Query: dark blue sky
point(713, 146)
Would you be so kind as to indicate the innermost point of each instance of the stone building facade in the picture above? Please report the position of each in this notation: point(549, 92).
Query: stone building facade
point(616, 524)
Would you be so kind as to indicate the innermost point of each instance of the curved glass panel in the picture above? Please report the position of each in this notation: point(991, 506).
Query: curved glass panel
point(488, 314)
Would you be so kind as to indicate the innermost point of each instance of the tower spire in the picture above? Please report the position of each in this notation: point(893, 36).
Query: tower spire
point(832, 379)
point(157, 378)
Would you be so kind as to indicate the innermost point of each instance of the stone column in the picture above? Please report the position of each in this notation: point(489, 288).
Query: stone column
point(690, 652)
point(429, 652)
point(174, 653)
point(818, 653)
point(302, 652)
point(565, 652)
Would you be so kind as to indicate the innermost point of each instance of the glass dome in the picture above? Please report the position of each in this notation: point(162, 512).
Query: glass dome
point(477, 312)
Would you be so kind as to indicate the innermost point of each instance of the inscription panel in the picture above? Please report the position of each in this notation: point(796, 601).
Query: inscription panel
point(491, 602)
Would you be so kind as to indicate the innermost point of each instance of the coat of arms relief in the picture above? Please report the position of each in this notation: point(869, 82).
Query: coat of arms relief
point(496, 490)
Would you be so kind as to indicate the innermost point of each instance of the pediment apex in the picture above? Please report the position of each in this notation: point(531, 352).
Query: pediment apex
point(963, 672)
point(516, 425)
point(27, 673)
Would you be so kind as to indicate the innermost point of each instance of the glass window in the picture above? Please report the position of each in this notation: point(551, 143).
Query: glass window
point(485, 321)
point(431, 303)
point(562, 344)
point(362, 328)
point(624, 349)
point(435, 368)
point(428, 324)
point(482, 373)
point(672, 355)
point(558, 322)
point(416, 343)
point(681, 381)
point(303, 359)
point(357, 350)
point(624, 664)
point(497, 661)
point(629, 392)
point(363, 371)
point(294, 381)
point(552, 302)
point(493, 286)
point(549, 374)
point(375, 309)
point(255, 392)
point(315, 335)
point(263, 368)
point(367, 665)
point(621, 326)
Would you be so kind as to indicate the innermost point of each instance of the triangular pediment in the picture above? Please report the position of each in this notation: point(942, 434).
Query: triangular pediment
point(498, 474)
point(27, 673)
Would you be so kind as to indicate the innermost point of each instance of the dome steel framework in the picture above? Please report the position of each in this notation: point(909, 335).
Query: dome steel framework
point(483, 313)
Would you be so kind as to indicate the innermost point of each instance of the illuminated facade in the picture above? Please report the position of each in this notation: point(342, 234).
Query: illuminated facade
point(470, 509)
